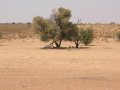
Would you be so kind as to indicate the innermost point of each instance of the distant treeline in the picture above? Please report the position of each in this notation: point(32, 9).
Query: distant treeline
point(29, 23)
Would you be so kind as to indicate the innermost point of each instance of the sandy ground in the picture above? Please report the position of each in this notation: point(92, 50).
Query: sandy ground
point(25, 66)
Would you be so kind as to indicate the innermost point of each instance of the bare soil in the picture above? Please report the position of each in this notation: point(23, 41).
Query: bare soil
point(25, 66)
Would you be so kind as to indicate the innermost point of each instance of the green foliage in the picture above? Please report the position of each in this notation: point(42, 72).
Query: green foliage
point(61, 18)
point(72, 32)
point(38, 24)
point(86, 35)
point(46, 28)
point(118, 35)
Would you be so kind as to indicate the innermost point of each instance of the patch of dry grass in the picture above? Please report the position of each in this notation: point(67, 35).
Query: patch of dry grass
point(14, 31)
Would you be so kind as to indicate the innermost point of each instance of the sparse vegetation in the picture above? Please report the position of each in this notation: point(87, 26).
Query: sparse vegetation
point(86, 36)
point(118, 36)
point(14, 31)
point(103, 30)
point(58, 28)
point(0, 35)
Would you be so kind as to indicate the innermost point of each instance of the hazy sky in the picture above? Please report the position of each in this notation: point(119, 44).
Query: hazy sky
point(87, 10)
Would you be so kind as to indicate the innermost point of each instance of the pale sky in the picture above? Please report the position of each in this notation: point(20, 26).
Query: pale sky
point(89, 11)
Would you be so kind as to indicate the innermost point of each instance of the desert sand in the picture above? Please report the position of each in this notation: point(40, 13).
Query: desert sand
point(24, 65)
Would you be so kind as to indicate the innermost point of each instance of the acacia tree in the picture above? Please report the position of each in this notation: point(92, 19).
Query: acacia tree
point(61, 18)
point(55, 28)
point(46, 29)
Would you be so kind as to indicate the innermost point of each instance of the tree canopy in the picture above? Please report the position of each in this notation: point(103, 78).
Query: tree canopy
point(57, 28)
point(46, 28)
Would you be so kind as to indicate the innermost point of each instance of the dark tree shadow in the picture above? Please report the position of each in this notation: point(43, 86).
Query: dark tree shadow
point(65, 48)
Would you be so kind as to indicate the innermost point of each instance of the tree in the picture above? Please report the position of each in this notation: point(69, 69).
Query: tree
point(55, 28)
point(73, 34)
point(77, 38)
point(46, 29)
point(86, 36)
point(80, 35)
point(61, 19)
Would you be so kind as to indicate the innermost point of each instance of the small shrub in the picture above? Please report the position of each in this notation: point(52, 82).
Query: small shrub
point(0, 35)
point(118, 35)
point(86, 36)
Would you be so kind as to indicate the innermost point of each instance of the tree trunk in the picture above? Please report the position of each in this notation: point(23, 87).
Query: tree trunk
point(77, 44)
point(86, 44)
point(58, 44)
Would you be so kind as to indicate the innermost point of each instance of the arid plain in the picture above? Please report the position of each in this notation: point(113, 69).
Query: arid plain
point(24, 65)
